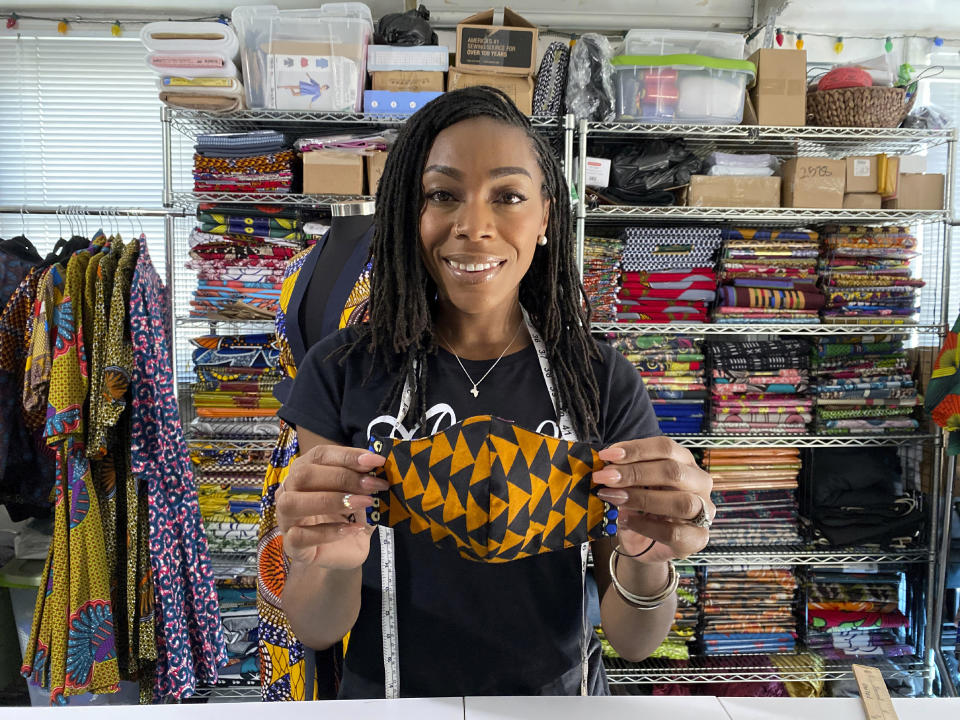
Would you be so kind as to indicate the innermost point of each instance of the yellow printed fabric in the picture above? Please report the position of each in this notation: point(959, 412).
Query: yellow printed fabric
point(493, 490)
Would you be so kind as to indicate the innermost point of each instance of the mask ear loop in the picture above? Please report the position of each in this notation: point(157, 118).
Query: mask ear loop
point(649, 547)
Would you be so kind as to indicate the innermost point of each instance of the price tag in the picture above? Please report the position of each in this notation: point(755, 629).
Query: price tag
point(861, 568)
point(873, 692)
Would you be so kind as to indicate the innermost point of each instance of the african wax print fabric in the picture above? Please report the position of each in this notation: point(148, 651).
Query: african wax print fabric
point(601, 276)
point(190, 644)
point(243, 163)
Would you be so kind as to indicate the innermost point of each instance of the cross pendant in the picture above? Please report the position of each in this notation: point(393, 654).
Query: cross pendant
point(474, 391)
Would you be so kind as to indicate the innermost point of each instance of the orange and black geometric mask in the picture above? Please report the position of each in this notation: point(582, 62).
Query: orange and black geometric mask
point(493, 490)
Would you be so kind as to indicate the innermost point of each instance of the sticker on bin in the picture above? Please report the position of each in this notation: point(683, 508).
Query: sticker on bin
point(385, 102)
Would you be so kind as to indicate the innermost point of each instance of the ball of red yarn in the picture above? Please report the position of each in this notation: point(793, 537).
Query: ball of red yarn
point(845, 77)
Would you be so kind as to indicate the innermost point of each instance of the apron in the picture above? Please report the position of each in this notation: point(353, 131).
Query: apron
point(388, 575)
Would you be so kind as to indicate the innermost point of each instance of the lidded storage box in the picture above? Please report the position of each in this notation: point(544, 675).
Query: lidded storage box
point(684, 42)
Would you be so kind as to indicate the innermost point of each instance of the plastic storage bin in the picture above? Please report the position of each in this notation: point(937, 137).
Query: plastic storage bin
point(304, 59)
point(681, 88)
point(684, 42)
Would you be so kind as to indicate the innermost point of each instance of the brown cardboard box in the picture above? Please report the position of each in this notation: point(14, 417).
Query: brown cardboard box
point(518, 87)
point(918, 192)
point(780, 93)
point(862, 201)
point(811, 182)
point(862, 174)
point(332, 172)
point(749, 112)
point(375, 165)
point(734, 191)
point(509, 48)
point(407, 81)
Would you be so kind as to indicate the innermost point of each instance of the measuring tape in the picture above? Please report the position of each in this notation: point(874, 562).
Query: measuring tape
point(873, 693)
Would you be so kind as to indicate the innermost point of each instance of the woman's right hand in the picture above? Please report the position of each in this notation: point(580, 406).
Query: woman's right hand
point(325, 486)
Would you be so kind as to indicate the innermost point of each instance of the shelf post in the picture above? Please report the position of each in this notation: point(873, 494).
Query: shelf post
point(581, 194)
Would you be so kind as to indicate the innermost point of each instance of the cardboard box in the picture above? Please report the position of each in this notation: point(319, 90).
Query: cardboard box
point(385, 58)
point(404, 81)
point(862, 201)
point(780, 93)
point(811, 182)
point(862, 174)
point(598, 172)
point(733, 191)
point(918, 192)
point(518, 87)
point(384, 102)
point(749, 112)
point(375, 164)
point(332, 172)
point(509, 48)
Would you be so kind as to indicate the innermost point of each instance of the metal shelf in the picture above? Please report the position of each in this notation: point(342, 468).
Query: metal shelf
point(189, 200)
point(786, 328)
point(767, 216)
point(746, 668)
point(204, 322)
point(195, 122)
point(228, 692)
point(784, 140)
point(234, 443)
point(805, 555)
point(800, 441)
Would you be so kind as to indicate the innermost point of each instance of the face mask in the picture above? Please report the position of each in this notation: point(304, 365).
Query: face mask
point(493, 490)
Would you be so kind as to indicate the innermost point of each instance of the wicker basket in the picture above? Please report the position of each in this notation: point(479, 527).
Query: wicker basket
point(858, 107)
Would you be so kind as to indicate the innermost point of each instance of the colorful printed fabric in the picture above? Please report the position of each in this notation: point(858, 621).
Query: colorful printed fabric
point(222, 224)
point(768, 298)
point(79, 655)
point(190, 644)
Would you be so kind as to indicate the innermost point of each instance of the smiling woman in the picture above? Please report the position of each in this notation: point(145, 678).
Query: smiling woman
point(476, 584)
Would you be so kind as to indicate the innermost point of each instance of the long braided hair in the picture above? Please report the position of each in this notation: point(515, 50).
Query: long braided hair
point(399, 332)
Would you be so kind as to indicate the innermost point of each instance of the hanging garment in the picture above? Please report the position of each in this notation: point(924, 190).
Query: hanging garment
point(190, 644)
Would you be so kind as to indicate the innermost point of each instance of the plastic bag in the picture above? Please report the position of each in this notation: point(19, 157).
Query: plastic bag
point(655, 165)
point(590, 79)
point(409, 28)
point(928, 117)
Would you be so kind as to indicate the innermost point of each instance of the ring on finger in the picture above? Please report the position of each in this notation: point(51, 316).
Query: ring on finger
point(346, 501)
point(702, 519)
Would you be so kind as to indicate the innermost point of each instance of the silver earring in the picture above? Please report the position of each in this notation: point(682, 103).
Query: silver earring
point(542, 240)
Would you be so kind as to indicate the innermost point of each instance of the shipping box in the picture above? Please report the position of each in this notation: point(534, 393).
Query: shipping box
point(862, 201)
point(811, 182)
point(518, 87)
point(862, 174)
point(918, 192)
point(407, 81)
point(375, 164)
point(780, 94)
point(332, 172)
point(509, 48)
point(733, 191)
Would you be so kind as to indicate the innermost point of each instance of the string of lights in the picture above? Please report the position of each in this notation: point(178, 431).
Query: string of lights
point(116, 25)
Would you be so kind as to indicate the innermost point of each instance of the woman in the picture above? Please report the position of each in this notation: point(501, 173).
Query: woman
point(473, 230)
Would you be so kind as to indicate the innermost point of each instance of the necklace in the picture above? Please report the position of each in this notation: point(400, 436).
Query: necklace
point(473, 390)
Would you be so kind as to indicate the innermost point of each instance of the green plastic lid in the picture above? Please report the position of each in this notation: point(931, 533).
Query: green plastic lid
point(689, 62)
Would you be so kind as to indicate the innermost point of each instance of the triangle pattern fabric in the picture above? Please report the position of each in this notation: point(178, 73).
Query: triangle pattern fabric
point(492, 490)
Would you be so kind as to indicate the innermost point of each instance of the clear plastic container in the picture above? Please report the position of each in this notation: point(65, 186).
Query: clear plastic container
point(311, 59)
point(684, 42)
point(687, 89)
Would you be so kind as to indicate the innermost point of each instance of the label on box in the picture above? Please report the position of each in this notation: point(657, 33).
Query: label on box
point(861, 568)
point(497, 47)
point(598, 172)
point(812, 171)
point(861, 167)
point(313, 82)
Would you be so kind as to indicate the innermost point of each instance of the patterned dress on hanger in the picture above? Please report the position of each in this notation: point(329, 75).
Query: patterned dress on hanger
point(282, 666)
point(79, 655)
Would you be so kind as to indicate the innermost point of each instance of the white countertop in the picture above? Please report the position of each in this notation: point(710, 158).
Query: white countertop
point(593, 708)
point(836, 708)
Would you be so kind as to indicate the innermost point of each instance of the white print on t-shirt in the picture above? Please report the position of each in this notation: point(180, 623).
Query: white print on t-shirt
point(440, 417)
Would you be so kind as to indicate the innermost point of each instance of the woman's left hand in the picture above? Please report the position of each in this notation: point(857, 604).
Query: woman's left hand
point(659, 490)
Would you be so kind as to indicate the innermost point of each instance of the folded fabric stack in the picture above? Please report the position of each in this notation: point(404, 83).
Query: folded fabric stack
point(860, 499)
point(749, 610)
point(769, 276)
point(757, 165)
point(864, 385)
point(668, 274)
point(760, 387)
point(601, 276)
point(754, 490)
point(865, 275)
point(239, 254)
point(195, 63)
point(673, 373)
point(348, 142)
point(252, 162)
point(851, 615)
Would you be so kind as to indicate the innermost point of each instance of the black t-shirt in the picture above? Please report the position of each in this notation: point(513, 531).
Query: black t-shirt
point(465, 628)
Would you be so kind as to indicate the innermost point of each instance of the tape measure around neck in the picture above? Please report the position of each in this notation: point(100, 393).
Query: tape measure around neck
point(388, 572)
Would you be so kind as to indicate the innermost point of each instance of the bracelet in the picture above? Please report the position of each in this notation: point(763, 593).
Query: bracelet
point(644, 602)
